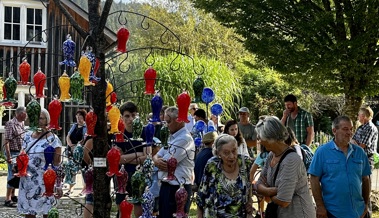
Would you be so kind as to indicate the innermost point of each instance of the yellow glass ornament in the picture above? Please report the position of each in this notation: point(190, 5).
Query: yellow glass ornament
point(64, 87)
point(1, 88)
point(108, 94)
point(114, 116)
point(85, 69)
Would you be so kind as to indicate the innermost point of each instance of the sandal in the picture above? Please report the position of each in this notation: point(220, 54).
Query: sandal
point(14, 199)
point(9, 204)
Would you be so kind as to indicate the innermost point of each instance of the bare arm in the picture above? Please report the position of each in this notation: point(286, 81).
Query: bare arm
point(279, 202)
point(68, 140)
point(310, 133)
point(366, 189)
point(8, 151)
point(87, 149)
point(131, 158)
point(264, 190)
point(252, 172)
point(317, 195)
point(57, 156)
point(199, 212)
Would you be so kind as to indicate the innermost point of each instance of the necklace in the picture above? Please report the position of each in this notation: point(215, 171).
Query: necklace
point(282, 152)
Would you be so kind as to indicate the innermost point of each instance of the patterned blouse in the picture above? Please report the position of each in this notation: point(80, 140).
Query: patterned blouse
point(220, 196)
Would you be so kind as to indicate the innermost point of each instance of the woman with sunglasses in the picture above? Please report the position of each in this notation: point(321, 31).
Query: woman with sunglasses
point(289, 192)
point(224, 190)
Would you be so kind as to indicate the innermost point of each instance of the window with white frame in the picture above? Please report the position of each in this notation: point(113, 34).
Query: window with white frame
point(21, 22)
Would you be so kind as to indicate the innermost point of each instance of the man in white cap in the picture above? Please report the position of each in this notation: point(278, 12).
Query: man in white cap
point(247, 129)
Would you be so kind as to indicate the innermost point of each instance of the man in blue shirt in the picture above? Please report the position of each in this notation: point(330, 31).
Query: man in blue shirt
point(340, 174)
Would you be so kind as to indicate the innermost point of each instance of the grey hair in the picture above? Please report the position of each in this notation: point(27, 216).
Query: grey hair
point(47, 115)
point(337, 121)
point(270, 128)
point(172, 112)
point(20, 109)
point(222, 140)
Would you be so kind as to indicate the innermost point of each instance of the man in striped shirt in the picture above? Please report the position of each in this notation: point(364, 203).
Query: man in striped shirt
point(299, 120)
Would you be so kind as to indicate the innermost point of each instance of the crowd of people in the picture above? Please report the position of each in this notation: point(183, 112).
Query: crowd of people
point(223, 170)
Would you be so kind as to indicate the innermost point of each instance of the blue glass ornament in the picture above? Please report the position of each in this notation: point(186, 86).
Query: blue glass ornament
point(149, 133)
point(208, 95)
point(156, 106)
point(147, 204)
point(49, 156)
point(216, 109)
point(200, 126)
point(68, 52)
point(92, 59)
point(197, 142)
point(211, 129)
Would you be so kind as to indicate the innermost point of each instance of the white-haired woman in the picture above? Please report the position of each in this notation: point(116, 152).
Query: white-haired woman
point(30, 200)
point(224, 190)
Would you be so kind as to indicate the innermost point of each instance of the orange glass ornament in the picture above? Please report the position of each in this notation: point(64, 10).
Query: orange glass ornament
point(108, 93)
point(91, 119)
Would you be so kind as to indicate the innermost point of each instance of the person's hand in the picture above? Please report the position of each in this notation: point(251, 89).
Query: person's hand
point(286, 113)
point(249, 208)
point(161, 164)
point(321, 212)
point(9, 159)
point(365, 211)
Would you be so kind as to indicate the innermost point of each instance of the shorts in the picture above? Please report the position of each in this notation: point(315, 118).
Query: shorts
point(89, 199)
point(14, 154)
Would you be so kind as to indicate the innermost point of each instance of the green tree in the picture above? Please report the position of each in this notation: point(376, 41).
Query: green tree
point(329, 46)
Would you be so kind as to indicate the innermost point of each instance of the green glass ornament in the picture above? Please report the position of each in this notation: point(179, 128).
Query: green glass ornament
point(76, 87)
point(198, 86)
point(137, 128)
point(164, 134)
point(138, 186)
point(53, 213)
point(10, 85)
point(33, 109)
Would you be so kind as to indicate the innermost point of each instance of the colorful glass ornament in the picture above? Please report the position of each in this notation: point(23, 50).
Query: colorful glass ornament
point(53, 213)
point(181, 200)
point(70, 171)
point(96, 67)
point(33, 109)
point(147, 204)
point(85, 69)
point(126, 209)
point(22, 162)
point(88, 179)
point(147, 169)
point(68, 52)
point(60, 176)
point(114, 116)
point(48, 153)
point(137, 128)
point(211, 129)
point(9, 89)
point(78, 155)
point(64, 87)
point(55, 109)
point(171, 167)
point(208, 95)
point(183, 101)
point(150, 76)
point(149, 134)
point(91, 119)
point(39, 81)
point(122, 180)
point(76, 87)
point(198, 142)
point(122, 39)
point(198, 86)
point(2, 93)
point(164, 134)
point(156, 106)
point(121, 129)
point(200, 126)
point(49, 180)
point(113, 158)
point(91, 57)
point(24, 69)
point(216, 109)
point(138, 186)
point(108, 92)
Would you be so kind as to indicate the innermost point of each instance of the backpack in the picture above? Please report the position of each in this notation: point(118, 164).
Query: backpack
point(307, 155)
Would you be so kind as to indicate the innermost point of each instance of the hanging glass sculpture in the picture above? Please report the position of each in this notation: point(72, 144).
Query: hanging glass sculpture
point(208, 95)
point(95, 64)
point(113, 158)
point(88, 178)
point(22, 162)
point(156, 106)
point(121, 129)
point(138, 186)
point(70, 171)
point(122, 180)
point(76, 87)
point(85, 69)
point(150, 76)
point(171, 167)
point(126, 209)
point(49, 153)
point(181, 200)
point(9, 89)
point(147, 204)
point(33, 109)
point(164, 134)
point(39, 81)
point(198, 86)
point(55, 109)
point(183, 102)
point(108, 92)
point(147, 169)
point(24, 69)
point(60, 176)
point(137, 128)
point(64, 87)
point(78, 155)
point(122, 39)
point(114, 116)
point(68, 52)
point(149, 134)
point(91, 119)
point(216, 109)
point(49, 180)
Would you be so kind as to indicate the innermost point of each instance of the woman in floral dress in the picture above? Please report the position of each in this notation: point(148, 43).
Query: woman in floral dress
point(225, 187)
point(30, 201)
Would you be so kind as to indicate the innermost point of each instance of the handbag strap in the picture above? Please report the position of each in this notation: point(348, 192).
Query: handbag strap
point(289, 150)
point(35, 142)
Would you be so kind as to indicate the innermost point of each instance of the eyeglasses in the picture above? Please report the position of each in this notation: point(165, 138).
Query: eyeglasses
point(194, 108)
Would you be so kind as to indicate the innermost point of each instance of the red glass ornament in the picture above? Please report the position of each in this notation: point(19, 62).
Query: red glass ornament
point(113, 97)
point(150, 75)
point(4, 92)
point(183, 101)
point(96, 67)
point(171, 167)
point(91, 119)
point(122, 39)
point(113, 157)
point(126, 209)
point(121, 129)
point(22, 161)
point(39, 81)
point(181, 200)
point(55, 109)
point(49, 180)
point(24, 72)
point(122, 181)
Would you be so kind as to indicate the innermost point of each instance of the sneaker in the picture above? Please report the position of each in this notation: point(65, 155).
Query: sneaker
point(14, 199)
point(10, 204)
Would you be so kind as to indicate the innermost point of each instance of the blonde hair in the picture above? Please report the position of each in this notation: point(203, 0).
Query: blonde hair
point(367, 111)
